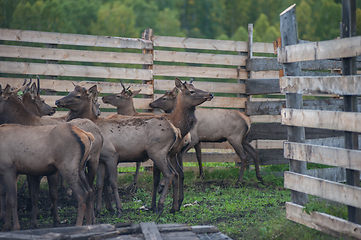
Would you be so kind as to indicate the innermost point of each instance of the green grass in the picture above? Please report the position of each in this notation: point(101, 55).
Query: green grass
point(251, 211)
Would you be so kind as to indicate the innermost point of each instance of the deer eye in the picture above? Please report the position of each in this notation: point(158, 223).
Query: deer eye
point(77, 97)
point(164, 98)
point(192, 92)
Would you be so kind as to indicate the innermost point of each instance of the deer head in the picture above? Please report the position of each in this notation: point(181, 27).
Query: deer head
point(123, 100)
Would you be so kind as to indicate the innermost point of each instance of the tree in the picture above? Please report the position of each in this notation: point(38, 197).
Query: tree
point(115, 19)
point(240, 35)
point(167, 24)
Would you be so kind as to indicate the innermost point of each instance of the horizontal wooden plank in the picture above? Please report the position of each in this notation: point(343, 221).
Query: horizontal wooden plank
point(74, 70)
point(266, 118)
point(346, 194)
point(267, 157)
point(341, 121)
point(264, 74)
point(260, 47)
point(202, 72)
point(139, 103)
point(339, 157)
point(271, 63)
point(322, 222)
point(67, 86)
point(257, 144)
point(213, 87)
point(277, 131)
point(343, 85)
point(262, 86)
point(73, 39)
point(198, 43)
point(74, 55)
point(199, 58)
point(274, 107)
point(337, 48)
point(148, 163)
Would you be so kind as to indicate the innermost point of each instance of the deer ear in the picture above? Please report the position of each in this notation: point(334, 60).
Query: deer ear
point(92, 90)
point(33, 89)
point(179, 84)
point(173, 92)
point(136, 92)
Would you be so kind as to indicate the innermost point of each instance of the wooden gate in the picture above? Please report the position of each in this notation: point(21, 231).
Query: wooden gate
point(299, 153)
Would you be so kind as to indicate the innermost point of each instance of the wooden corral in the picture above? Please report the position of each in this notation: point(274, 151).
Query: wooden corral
point(242, 75)
point(122, 231)
point(345, 120)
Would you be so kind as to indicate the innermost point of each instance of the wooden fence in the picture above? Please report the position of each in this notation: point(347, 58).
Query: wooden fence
point(242, 75)
point(299, 152)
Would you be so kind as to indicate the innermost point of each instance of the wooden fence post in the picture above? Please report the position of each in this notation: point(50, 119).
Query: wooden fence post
point(148, 35)
point(288, 28)
point(348, 29)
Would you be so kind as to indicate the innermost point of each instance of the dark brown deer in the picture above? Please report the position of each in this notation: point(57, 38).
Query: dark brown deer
point(215, 125)
point(183, 116)
point(12, 110)
point(42, 150)
point(128, 139)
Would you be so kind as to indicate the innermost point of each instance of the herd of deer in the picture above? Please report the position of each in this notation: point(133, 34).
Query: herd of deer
point(83, 145)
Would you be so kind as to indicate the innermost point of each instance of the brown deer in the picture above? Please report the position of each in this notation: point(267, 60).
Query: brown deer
point(183, 116)
point(128, 139)
point(12, 110)
point(42, 150)
point(215, 125)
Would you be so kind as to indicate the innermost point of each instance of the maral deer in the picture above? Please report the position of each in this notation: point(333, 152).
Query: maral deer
point(215, 125)
point(128, 139)
point(12, 110)
point(182, 117)
point(125, 106)
point(42, 150)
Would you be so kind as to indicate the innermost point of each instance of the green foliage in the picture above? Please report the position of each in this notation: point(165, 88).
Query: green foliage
point(321, 205)
point(214, 19)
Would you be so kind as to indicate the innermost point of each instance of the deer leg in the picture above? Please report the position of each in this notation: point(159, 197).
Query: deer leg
point(242, 155)
point(179, 169)
point(133, 186)
point(198, 149)
point(79, 191)
point(100, 186)
point(249, 148)
point(156, 180)
point(107, 198)
point(34, 184)
point(113, 177)
point(92, 170)
point(2, 199)
point(53, 193)
point(11, 203)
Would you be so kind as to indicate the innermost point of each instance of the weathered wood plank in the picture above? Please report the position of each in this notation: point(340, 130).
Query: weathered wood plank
point(206, 86)
point(74, 55)
point(339, 157)
point(274, 107)
point(189, 235)
point(203, 72)
point(260, 47)
point(341, 121)
point(257, 144)
point(277, 131)
point(262, 86)
point(322, 222)
point(343, 85)
point(271, 63)
point(337, 48)
point(200, 58)
point(346, 194)
point(150, 231)
point(67, 86)
point(197, 43)
point(264, 74)
point(74, 70)
point(266, 118)
point(73, 39)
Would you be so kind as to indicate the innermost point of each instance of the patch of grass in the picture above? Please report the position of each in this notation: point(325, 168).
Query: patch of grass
point(250, 211)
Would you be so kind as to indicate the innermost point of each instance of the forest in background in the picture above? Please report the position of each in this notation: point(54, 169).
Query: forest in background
point(213, 19)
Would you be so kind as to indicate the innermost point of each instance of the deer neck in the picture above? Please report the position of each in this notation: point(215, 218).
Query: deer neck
point(85, 112)
point(16, 112)
point(129, 110)
point(183, 117)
